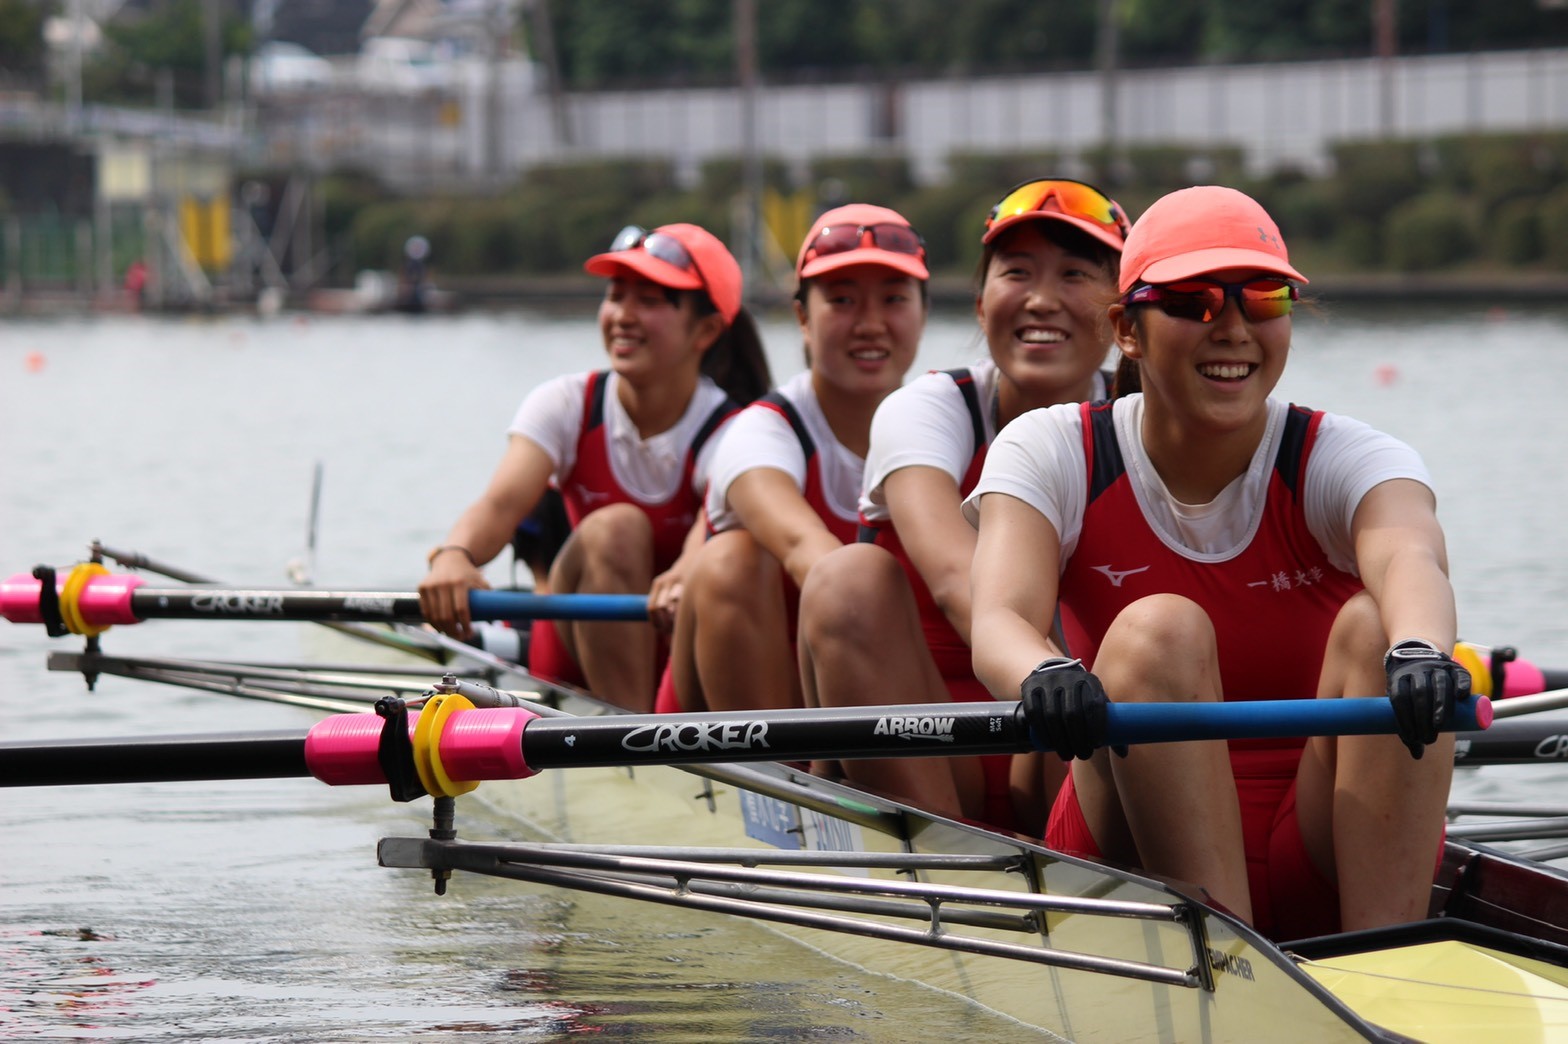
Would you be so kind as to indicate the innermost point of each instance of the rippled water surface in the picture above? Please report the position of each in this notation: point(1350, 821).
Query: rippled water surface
point(255, 910)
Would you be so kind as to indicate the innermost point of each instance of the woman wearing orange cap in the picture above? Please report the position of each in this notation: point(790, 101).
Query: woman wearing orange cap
point(1207, 542)
point(628, 447)
point(786, 478)
point(1049, 261)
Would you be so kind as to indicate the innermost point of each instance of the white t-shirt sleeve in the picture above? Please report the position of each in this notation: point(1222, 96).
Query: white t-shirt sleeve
point(1347, 460)
point(702, 468)
point(552, 416)
point(924, 424)
point(759, 437)
point(1038, 459)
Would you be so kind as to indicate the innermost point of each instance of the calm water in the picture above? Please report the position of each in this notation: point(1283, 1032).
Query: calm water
point(255, 910)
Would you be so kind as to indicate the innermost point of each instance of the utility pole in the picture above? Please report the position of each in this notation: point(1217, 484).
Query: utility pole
point(1385, 44)
point(212, 51)
point(748, 232)
point(1106, 63)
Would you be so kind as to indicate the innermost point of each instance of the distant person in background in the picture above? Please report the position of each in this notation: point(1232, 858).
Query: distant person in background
point(136, 276)
point(1206, 542)
point(1049, 257)
point(413, 278)
point(786, 478)
point(629, 449)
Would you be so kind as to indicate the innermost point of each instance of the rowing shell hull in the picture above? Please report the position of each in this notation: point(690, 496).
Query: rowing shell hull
point(1257, 990)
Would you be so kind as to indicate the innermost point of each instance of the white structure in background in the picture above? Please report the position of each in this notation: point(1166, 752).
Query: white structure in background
point(280, 67)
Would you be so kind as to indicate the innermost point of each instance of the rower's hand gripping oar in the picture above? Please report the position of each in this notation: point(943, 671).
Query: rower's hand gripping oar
point(88, 599)
point(454, 744)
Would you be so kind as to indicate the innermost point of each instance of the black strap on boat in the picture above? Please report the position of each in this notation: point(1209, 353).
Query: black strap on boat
point(395, 751)
point(49, 601)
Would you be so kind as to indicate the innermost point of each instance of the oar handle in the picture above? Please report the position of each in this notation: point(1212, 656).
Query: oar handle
point(101, 599)
point(1265, 719)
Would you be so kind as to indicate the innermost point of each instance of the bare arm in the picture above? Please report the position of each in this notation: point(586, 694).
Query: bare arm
point(776, 514)
point(924, 505)
point(664, 595)
point(1403, 561)
point(482, 530)
point(1015, 583)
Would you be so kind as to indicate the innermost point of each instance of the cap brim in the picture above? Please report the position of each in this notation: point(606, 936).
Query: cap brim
point(1203, 262)
point(642, 263)
point(908, 264)
point(1111, 239)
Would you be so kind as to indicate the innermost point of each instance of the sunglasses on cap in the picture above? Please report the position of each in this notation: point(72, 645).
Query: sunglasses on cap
point(841, 239)
point(1061, 196)
point(664, 247)
point(1202, 300)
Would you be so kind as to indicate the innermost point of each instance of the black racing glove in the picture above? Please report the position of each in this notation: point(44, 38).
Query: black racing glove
point(1064, 707)
point(1424, 684)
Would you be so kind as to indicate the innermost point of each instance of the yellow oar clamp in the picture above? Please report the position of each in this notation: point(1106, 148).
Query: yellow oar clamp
point(71, 596)
point(427, 745)
point(1468, 656)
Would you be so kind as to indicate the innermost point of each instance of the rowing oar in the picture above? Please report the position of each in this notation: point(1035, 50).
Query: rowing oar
point(88, 599)
point(455, 744)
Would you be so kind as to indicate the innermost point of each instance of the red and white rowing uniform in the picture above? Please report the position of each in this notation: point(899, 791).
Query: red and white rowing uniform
point(1270, 560)
point(945, 419)
point(600, 459)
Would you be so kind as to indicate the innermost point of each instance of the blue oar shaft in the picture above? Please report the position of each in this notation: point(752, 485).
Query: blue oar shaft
point(1261, 719)
point(522, 605)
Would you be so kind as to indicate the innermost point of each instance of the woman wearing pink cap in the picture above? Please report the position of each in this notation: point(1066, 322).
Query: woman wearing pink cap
point(1049, 261)
point(786, 478)
point(628, 448)
point(1207, 542)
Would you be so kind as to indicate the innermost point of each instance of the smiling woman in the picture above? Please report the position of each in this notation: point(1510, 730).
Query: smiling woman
point(628, 449)
point(786, 478)
point(1205, 542)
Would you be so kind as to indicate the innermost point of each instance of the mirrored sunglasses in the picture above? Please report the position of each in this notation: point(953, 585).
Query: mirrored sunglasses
point(840, 239)
point(664, 247)
point(1202, 300)
point(1062, 196)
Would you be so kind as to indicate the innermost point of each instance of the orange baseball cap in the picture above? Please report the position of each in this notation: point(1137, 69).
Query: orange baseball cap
point(861, 234)
point(681, 257)
point(1203, 229)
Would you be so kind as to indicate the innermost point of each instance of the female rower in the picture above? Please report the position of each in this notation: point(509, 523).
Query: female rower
point(628, 447)
point(1208, 542)
point(786, 478)
point(1047, 267)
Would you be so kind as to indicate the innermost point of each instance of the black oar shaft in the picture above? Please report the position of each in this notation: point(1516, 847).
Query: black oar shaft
point(792, 735)
point(184, 603)
point(155, 759)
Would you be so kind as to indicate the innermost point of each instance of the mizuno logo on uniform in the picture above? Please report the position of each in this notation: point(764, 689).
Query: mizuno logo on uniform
point(1116, 576)
point(592, 496)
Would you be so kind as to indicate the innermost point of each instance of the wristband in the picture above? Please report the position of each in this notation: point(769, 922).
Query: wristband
point(436, 552)
point(1054, 662)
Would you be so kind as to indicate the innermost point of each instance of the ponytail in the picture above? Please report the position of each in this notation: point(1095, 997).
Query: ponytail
point(737, 363)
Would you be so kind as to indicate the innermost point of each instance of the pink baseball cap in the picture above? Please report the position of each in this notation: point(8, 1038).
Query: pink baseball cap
point(1203, 229)
point(861, 234)
point(681, 257)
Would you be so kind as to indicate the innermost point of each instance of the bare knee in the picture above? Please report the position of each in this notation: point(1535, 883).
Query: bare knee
point(848, 591)
point(731, 567)
point(616, 541)
point(1356, 643)
point(1160, 647)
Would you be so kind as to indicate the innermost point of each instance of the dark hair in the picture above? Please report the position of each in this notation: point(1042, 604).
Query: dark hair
point(735, 362)
point(539, 537)
point(1070, 238)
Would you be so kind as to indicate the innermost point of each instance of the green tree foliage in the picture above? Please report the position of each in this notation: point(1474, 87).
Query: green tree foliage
point(22, 40)
point(607, 43)
point(167, 37)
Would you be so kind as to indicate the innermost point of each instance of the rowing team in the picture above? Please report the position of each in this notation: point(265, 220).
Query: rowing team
point(1026, 527)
